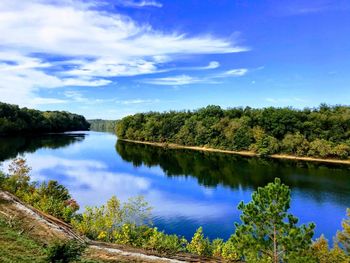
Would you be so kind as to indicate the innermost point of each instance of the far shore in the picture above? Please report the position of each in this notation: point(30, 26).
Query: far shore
point(243, 153)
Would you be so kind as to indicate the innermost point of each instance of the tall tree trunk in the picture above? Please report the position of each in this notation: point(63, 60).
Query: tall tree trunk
point(275, 255)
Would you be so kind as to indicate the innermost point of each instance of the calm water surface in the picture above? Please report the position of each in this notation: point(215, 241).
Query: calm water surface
point(187, 188)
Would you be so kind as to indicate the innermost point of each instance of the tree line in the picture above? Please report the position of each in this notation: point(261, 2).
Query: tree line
point(16, 120)
point(267, 231)
point(102, 125)
point(318, 132)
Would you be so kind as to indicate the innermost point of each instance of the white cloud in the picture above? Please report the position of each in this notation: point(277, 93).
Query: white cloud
point(138, 4)
point(213, 65)
point(179, 80)
point(173, 81)
point(91, 46)
point(236, 72)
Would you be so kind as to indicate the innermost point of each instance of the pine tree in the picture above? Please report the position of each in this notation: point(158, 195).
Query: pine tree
point(343, 237)
point(268, 233)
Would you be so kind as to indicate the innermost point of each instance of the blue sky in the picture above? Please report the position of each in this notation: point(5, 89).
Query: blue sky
point(108, 59)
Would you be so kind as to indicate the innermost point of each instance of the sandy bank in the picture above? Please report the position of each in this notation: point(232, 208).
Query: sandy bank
point(243, 153)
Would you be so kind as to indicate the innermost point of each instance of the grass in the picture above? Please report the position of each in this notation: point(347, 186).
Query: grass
point(18, 247)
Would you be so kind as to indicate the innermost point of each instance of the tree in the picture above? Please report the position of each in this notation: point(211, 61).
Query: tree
point(199, 245)
point(18, 181)
point(323, 254)
point(267, 231)
point(343, 237)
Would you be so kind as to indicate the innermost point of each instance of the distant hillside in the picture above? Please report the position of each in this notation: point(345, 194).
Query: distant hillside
point(102, 125)
point(16, 120)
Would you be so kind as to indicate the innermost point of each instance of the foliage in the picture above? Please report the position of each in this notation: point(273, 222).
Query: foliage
point(51, 197)
point(107, 222)
point(267, 231)
point(165, 244)
point(323, 254)
point(343, 237)
point(102, 125)
point(22, 120)
point(64, 251)
point(199, 245)
point(319, 132)
point(217, 246)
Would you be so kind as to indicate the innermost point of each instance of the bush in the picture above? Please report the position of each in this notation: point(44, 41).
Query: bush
point(107, 222)
point(131, 234)
point(265, 146)
point(295, 144)
point(51, 197)
point(320, 148)
point(229, 251)
point(217, 247)
point(64, 252)
point(165, 244)
point(341, 151)
point(199, 245)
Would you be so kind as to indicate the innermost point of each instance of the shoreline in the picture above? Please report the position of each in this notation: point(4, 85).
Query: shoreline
point(242, 153)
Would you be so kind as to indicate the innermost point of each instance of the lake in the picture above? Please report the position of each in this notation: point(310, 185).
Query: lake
point(186, 188)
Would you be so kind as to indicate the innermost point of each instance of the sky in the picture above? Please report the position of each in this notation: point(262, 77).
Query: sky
point(111, 58)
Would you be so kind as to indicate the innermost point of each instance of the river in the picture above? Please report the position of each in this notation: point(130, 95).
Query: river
point(186, 188)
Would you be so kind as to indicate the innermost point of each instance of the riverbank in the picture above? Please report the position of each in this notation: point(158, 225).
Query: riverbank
point(243, 153)
point(28, 231)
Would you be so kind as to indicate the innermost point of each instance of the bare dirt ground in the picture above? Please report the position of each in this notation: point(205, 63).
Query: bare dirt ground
point(45, 228)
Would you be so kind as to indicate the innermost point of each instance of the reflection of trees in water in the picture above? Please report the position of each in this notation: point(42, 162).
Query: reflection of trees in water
point(235, 171)
point(10, 147)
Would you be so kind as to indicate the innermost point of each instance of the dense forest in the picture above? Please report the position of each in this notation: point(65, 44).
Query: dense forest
point(319, 132)
point(102, 125)
point(15, 120)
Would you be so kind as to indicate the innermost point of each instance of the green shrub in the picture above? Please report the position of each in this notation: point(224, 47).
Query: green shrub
point(199, 245)
point(341, 151)
point(64, 252)
point(229, 251)
point(51, 197)
point(111, 221)
point(320, 148)
point(217, 246)
point(295, 144)
point(131, 234)
point(165, 244)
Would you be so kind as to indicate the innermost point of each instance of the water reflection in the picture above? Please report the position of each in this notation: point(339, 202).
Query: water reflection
point(10, 147)
point(213, 169)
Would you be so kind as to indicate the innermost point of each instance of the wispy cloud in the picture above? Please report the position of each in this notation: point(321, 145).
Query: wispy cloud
point(184, 79)
point(139, 4)
point(178, 80)
point(92, 47)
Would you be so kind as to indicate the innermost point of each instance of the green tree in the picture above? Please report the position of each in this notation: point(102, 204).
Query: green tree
point(268, 232)
point(199, 245)
point(343, 237)
point(323, 254)
point(295, 144)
